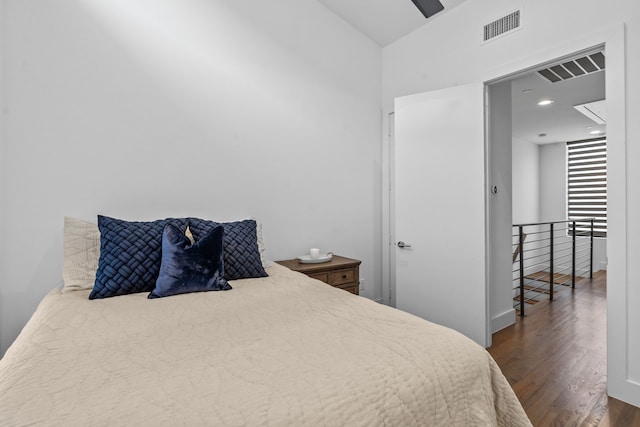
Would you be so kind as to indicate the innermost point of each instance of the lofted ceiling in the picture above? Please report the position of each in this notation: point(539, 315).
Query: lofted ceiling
point(384, 21)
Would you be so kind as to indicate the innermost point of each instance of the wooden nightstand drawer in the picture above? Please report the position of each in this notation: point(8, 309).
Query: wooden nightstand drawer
point(340, 272)
point(323, 277)
point(353, 289)
point(342, 277)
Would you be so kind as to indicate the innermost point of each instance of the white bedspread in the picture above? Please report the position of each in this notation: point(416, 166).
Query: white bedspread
point(284, 350)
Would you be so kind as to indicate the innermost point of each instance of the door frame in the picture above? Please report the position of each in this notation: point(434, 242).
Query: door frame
point(613, 40)
point(388, 211)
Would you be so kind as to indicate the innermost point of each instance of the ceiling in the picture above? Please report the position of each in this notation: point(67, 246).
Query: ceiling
point(559, 120)
point(384, 21)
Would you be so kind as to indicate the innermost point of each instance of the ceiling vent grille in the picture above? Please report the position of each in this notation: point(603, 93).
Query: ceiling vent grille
point(502, 25)
point(577, 67)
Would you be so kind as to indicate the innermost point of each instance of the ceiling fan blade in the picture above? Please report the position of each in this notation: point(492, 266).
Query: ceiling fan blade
point(428, 7)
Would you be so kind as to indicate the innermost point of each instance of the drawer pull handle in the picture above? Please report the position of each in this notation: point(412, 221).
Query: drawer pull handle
point(344, 276)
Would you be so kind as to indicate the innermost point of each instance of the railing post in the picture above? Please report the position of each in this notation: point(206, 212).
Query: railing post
point(591, 254)
point(551, 262)
point(573, 257)
point(521, 232)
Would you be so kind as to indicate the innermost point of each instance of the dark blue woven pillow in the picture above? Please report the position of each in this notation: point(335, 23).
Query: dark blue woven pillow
point(241, 254)
point(130, 255)
point(190, 268)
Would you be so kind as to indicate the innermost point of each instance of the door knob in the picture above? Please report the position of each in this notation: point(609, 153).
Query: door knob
point(403, 245)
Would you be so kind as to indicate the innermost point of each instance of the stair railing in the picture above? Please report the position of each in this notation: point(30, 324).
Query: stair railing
point(552, 251)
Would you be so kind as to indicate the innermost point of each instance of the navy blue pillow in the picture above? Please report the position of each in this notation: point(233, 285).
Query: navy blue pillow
point(190, 268)
point(130, 255)
point(241, 254)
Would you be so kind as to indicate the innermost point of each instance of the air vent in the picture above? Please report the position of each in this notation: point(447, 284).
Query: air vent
point(502, 26)
point(578, 67)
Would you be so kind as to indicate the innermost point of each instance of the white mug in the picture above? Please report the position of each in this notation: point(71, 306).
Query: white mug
point(314, 253)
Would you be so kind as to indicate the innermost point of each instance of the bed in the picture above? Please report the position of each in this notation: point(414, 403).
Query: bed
point(279, 350)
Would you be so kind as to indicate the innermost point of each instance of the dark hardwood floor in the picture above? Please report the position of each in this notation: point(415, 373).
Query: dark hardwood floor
point(555, 359)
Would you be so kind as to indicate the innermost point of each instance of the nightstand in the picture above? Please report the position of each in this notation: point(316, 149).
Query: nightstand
point(340, 272)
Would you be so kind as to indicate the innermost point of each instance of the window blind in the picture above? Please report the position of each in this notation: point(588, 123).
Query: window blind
point(587, 184)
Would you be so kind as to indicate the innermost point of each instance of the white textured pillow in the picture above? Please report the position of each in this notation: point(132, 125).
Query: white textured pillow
point(81, 254)
point(265, 262)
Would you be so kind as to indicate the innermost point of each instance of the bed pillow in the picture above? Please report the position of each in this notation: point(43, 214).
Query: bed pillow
point(130, 255)
point(261, 249)
point(241, 253)
point(81, 246)
point(186, 267)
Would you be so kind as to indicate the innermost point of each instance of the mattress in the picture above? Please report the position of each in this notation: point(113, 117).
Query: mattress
point(281, 350)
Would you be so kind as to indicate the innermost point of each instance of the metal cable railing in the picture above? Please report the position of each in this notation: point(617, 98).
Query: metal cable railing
point(550, 253)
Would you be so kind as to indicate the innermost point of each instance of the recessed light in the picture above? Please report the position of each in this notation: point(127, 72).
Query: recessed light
point(595, 132)
point(542, 135)
point(589, 127)
point(527, 91)
point(546, 102)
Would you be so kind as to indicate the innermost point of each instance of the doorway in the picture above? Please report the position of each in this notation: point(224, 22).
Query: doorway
point(532, 116)
point(618, 345)
point(464, 215)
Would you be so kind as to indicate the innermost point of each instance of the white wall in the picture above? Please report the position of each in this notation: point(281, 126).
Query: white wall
point(553, 202)
point(3, 166)
point(499, 206)
point(526, 183)
point(553, 182)
point(632, 300)
point(526, 205)
point(220, 109)
point(449, 52)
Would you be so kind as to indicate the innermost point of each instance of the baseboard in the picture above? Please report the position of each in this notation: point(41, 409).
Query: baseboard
point(503, 320)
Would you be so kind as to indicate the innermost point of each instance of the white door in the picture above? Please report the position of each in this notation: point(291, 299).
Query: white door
point(440, 208)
